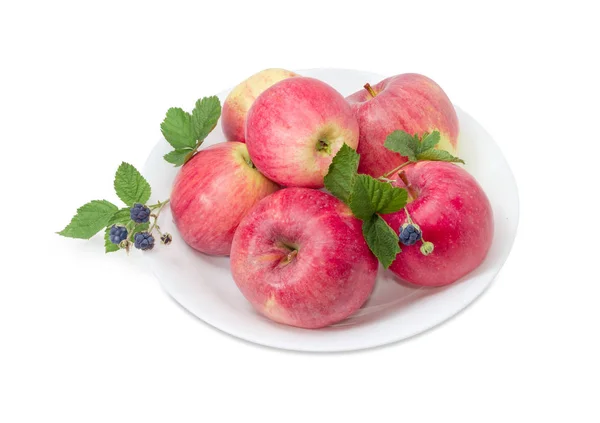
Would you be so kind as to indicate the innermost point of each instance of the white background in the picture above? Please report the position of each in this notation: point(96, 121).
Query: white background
point(86, 337)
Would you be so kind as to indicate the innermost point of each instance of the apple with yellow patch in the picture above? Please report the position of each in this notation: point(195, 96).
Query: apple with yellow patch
point(408, 102)
point(241, 98)
point(295, 128)
point(213, 192)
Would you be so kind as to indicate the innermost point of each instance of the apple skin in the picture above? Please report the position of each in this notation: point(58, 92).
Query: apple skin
point(332, 274)
point(410, 102)
point(295, 128)
point(239, 100)
point(213, 192)
point(454, 214)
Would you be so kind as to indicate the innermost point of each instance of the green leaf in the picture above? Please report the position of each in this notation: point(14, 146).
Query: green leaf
point(342, 173)
point(177, 129)
point(439, 156)
point(381, 239)
point(130, 185)
point(140, 227)
point(109, 247)
point(429, 141)
point(178, 157)
point(205, 116)
point(371, 196)
point(404, 143)
point(121, 217)
point(90, 219)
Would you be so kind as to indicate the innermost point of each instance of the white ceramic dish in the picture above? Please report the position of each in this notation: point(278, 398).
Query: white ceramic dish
point(203, 285)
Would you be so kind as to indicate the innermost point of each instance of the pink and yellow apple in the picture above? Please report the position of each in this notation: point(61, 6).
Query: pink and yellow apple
point(300, 258)
point(213, 192)
point(410, 102)
point(295, 128)
point(454, 214)
point(239, 100)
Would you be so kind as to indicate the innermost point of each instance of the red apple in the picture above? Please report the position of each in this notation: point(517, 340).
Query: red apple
point(239, 100)
point(454, 214)
point(213, 192)
point(300, 258)
point(295, 128)
point(410, 102)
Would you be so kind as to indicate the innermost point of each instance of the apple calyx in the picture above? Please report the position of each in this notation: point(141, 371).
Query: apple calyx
point(370, 89)
point(324, 146)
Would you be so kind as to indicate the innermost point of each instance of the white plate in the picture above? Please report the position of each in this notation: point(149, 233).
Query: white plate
point(204, 286)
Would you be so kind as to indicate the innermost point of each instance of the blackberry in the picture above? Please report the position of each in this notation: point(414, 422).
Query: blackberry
point(117, 234)
point(140, 213)
point(410, 234)
point(143, 241)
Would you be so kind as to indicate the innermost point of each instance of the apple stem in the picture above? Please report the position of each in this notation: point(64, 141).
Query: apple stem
point(409, 188)
point(287, 259)
point(370, 89)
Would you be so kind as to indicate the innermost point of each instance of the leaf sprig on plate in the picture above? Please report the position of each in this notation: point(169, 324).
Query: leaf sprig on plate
point(369, 198)
point(137, 222)
point(118, 223)
point(186, 132)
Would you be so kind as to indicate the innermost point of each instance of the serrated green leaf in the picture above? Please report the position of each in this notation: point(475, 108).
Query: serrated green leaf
point(140, 227)
point(439, 156)
point(90, 219)
point(370, 196)
point(403, 143)
point(429, 141)
point(121, 217)
point(381, 239)
point(178, 157)
point(205, 116)
point(342, 173)
point(131, 187)
point(109, 247)
point(178, 130)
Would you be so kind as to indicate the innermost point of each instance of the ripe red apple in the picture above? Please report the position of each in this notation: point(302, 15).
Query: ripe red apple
point(410, 102)
point(239, 100)
point(295, 128)
point(300, 258)
point(454, 214)
point(213, 192)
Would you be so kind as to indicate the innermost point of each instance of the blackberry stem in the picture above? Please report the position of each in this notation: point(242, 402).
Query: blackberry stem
point(408, 218)
point(155, 216)
point(159, 204)
point(396, 169)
